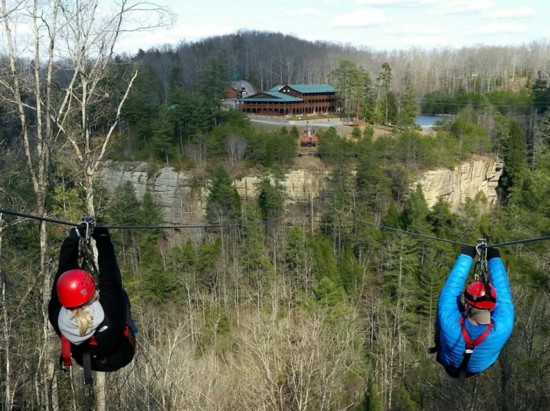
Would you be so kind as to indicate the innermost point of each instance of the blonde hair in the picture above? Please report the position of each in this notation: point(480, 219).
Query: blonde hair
point(83, 317)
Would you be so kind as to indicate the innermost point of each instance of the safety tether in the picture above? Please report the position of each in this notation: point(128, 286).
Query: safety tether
point(481, 271)
point(87, 263)
point(85, 252)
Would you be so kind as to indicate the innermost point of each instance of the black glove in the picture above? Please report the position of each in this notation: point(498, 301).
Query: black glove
point(100, 233)
point(492, 253)
point(468, 250)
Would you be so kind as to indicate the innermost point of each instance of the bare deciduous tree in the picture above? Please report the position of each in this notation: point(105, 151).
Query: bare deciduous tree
point(4, 329)
point(195, 149)
point(58, 56)
point(235, 147)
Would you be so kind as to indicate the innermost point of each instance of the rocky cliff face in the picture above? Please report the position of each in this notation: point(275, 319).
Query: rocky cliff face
point(182, 198)
point(478, 176)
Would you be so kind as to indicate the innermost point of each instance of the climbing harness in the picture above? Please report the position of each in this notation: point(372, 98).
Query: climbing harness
point(470, 345)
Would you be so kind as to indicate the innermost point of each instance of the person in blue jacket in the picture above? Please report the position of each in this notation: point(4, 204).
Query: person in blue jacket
point(482, 314)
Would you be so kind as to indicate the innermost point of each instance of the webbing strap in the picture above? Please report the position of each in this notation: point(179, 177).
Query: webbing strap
point(66, 351)
point(470, 345)
point(87, 364)
point(86, 359)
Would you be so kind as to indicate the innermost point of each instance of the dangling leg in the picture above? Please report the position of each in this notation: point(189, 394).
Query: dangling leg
point(129, 320)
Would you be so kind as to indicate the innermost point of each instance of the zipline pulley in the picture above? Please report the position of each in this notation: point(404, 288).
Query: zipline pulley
point(481, 271)
point(85, 230)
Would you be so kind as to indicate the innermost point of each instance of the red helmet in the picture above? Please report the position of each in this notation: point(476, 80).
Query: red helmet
point(480, 294)
point(75, 288)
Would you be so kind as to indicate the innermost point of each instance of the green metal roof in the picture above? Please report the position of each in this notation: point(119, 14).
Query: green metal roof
point(272, 96)
point(307, 88)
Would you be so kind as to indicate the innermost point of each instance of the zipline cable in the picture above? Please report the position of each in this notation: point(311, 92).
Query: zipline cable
point(134, 227)
point(33, 217)
point(196, 226)
point(156, 227)
point(412, 233)
point(527, 240)
point(409, 233)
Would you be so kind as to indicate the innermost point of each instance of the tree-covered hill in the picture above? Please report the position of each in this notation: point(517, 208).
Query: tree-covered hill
point(267, 59)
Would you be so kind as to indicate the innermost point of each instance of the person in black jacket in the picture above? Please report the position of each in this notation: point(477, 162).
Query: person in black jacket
point(88, 317)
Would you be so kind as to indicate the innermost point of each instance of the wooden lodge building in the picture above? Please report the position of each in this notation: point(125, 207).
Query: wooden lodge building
point(291, 100)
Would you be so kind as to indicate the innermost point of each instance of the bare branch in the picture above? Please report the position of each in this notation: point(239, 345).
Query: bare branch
point(114, 124)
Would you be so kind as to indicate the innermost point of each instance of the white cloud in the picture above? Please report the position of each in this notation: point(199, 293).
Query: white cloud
point(173, 36)
point(462, 6)
point(359, 18)
point(393, 3)
point(378, 2)
point(302, 12)
point(511, 13)
point(386, 24)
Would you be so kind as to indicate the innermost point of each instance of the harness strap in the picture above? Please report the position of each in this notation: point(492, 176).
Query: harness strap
point(66, 351)
point(67, 361)
point(87, 364)
point(93, 341)
point(470, 345)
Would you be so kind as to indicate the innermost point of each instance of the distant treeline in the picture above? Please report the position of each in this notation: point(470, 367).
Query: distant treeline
point(267, 59)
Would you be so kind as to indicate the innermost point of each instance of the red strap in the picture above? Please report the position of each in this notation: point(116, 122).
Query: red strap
point(469, 343)
point(66, 351)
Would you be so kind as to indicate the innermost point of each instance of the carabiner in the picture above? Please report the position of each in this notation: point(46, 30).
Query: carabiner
point(89, 223)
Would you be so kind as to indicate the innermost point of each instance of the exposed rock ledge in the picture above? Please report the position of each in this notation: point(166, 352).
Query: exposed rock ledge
point(182, 198)
point(478, 176)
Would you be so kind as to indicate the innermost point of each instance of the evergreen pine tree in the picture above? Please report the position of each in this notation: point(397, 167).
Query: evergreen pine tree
point(255, 261)
point(407, 110)
point(350, 271)
point(162, 140)
point(297, 257)
point(515, 162)
point(415, 212)
point(223, 203)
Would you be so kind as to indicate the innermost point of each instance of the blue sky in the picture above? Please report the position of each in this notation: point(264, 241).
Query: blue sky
point(376, 24)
